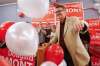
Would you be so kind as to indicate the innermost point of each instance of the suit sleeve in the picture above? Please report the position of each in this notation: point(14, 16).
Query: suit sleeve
point(81, 56)
point(81, 51)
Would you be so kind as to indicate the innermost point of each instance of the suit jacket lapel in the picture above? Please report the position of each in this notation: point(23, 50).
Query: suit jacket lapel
point(65, 27)
point(58, 30)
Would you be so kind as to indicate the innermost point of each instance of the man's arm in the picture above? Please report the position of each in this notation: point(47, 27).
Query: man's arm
point(81, 55)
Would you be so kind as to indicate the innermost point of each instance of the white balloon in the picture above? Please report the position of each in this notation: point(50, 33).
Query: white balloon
point(63, 63)
point(22, 39)
point(34, 8)
point(48, 63)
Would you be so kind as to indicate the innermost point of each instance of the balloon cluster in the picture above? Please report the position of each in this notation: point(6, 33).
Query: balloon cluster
point(3, 29)
point(34, 8)
point(55, 53)
point(54, 56)
point(22, 39)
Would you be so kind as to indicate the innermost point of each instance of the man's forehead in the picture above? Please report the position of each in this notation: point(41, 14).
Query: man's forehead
point(59, 9)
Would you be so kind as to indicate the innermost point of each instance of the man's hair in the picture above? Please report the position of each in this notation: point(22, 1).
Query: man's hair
point(59, 6)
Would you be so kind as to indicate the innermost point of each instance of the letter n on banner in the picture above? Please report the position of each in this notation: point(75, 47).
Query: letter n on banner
point(75, 9)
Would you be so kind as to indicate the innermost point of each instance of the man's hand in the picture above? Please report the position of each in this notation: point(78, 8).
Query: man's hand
point(78, 26)
point(76, 23)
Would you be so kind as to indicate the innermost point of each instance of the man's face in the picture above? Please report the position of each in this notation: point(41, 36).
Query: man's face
point(60, 14)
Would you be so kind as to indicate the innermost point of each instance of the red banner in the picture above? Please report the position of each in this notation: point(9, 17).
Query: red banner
point(94, 29)
point(16, 60)
point(95, 61)
point(75, 9)
point(72, 9)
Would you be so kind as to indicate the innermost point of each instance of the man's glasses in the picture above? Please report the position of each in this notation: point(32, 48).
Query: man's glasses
point(59, 11)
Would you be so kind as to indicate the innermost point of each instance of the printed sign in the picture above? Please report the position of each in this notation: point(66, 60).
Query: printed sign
point(75, 9)
point(94, 29)
point(16, 60)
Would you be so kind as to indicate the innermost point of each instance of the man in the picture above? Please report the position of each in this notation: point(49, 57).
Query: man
point(67, 35)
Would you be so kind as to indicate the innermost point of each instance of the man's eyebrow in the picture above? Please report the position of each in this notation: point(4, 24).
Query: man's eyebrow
point(59, 10)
